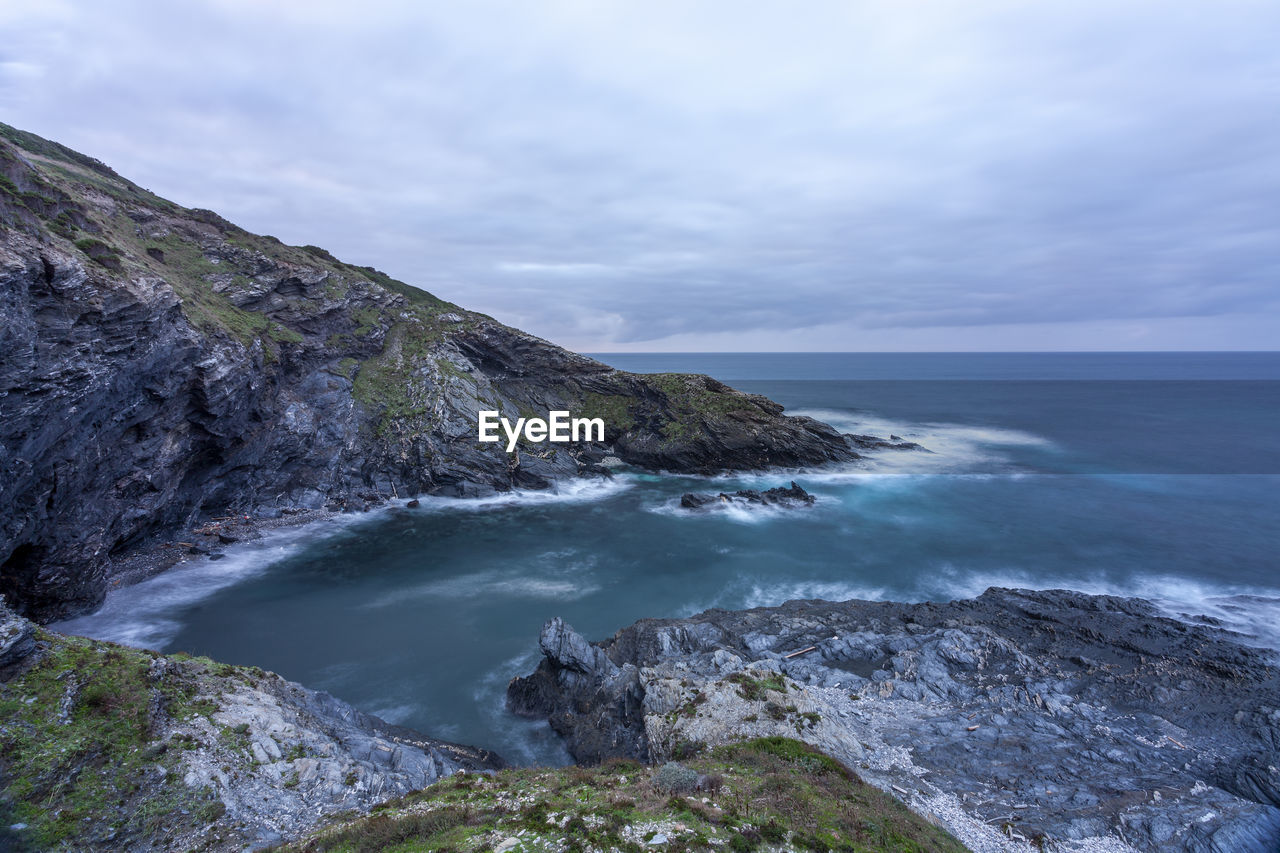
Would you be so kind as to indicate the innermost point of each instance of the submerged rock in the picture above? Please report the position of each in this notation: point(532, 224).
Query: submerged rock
point(1065, 716)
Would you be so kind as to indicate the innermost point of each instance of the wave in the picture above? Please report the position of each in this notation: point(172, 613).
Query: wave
point(1253, 613)
point(520, 741)
point(148, 614)
point(953, 447)
point(579, 490)
point(739, 511)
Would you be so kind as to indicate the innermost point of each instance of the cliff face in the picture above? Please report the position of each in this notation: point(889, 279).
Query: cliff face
point(159, 364)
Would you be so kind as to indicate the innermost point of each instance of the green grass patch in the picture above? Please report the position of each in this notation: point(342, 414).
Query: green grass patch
point(77, 750)
point(754, 689)
point(763, 793)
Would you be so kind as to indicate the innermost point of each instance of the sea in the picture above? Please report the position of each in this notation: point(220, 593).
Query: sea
point(1143, 474)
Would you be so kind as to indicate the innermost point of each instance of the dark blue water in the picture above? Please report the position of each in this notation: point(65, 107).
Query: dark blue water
point(1154, 474)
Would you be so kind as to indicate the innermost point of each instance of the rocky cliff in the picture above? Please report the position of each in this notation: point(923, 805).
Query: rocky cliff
point(1071, 721)
point(159, 364)
point(104, 747)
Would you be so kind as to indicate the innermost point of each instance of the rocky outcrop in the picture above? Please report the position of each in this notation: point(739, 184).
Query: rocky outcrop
point(17, 641)
point(160, 366)
point(1090, 721)
point(109, 748)
point(791, 495)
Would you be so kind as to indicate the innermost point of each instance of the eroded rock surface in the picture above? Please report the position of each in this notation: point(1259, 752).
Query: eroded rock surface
point(1094, 722)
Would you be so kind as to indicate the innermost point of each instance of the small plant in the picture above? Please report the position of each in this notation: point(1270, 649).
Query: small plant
point(675, 778)
point(754, 689)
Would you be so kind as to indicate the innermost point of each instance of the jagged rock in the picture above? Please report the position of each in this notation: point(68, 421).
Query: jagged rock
point(17, 640)
point(778, 496)
point(141, 390)
point(573, 666)
point(872, 442)
point(1067, 715)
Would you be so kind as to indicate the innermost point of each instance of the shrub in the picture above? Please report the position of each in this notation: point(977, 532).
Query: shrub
point(675, 778)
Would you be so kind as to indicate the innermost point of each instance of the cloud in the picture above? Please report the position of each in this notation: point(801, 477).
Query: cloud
point(655, 174)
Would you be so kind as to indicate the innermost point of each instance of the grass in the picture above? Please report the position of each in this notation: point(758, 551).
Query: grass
point(755, 689)
point(615, 409)
point(692, 399)
point(79, 750)
point(765, 793)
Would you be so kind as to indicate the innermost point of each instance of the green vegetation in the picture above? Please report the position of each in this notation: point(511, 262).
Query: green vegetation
point(393, 383)
point(692, 398)
point(100, 252)
point(766, 793)
point(754, 689)
point(79, 748)
point(390, 383)
point(615, 409)
point(39, 145)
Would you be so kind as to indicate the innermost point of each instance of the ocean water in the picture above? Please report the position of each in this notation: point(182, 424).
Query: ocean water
point(1152, 474)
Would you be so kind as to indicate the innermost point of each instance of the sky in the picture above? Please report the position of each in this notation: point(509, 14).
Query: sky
point(716, 176)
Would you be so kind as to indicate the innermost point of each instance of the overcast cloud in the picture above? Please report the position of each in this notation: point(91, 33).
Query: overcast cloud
point(722, 176)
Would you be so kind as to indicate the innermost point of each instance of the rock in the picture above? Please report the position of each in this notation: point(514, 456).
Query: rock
point(133, 407)
point(17, 641)
point(1097, 714)
point(779, 496)
point(569, 650)
point(414, 504)
point(871, 442)
point(658, 838)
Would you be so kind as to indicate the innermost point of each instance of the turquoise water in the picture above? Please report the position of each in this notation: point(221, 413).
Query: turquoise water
point(1147, 474)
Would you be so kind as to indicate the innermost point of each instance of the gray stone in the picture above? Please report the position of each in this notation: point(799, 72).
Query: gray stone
point(1086, 716)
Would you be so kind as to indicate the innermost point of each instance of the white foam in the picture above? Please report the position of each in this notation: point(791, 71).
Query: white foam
point(771, 595)
point(952, 447)
point(143, 615)
point(738, 511)
point(552, 575)
point(580, 490)
point(1253, 612)
point(526, 742)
